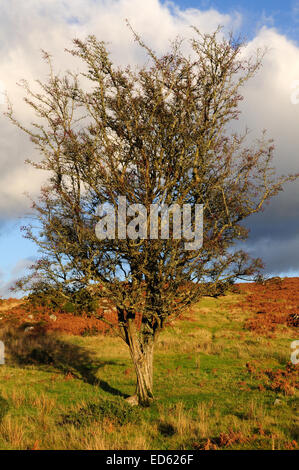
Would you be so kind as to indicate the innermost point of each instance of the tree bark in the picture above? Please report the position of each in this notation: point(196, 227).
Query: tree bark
point(144, 372)
point(142, 352)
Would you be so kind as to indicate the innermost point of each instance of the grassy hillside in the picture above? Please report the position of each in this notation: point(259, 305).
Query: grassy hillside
point(219, 384)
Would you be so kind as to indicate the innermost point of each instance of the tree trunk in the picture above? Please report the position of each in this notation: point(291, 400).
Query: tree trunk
point(142, 351)
point(144, 372)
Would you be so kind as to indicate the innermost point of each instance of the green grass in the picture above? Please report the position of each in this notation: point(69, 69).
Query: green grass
point(199, 366)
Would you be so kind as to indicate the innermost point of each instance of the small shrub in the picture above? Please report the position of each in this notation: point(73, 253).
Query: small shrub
point(166, 429)
point(69, 307)
point(117, 411)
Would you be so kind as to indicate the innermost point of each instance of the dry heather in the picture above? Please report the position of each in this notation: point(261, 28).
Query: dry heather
point(43, 319)
point(272, 304)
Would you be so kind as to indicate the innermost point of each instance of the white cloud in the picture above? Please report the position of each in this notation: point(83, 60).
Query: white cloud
point(8, 281)
point(27, 27)
point(267, 98)
point(22, 265)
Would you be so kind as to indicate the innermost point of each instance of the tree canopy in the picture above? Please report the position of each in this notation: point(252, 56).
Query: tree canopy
point(157, 135)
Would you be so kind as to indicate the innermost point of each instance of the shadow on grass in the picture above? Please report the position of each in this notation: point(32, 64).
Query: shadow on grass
point(3, 407)
point(24, 348)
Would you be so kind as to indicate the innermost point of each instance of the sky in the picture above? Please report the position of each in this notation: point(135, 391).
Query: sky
point(284, 16)
point(271, 99)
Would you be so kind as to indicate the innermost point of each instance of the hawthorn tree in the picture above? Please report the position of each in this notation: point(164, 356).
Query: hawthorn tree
point(160, 134)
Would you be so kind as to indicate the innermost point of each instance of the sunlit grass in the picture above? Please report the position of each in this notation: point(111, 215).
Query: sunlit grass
point(205, 397)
